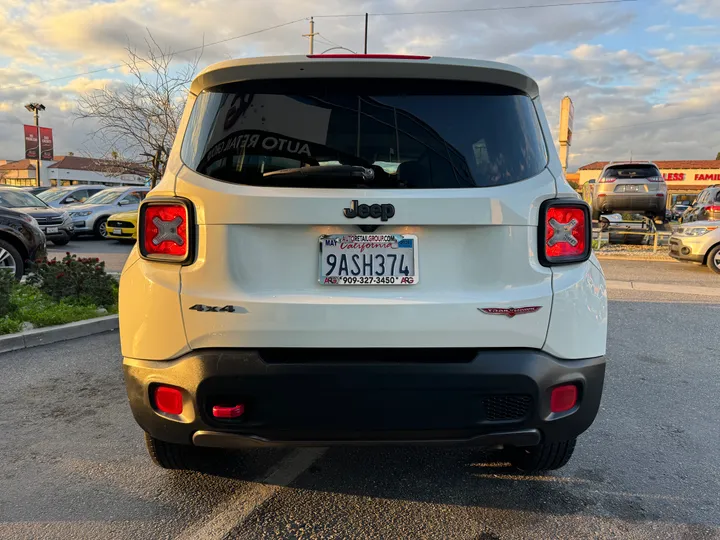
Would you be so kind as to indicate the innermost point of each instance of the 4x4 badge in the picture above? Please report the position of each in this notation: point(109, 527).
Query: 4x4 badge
point(363, 211)
point(510, 312)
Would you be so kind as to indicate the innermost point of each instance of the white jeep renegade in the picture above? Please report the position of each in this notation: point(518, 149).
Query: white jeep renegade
point(363, 249)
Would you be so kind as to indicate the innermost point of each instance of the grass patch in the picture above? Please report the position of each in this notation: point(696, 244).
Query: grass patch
point(29, 304)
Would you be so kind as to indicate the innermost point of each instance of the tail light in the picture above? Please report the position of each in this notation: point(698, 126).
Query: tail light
point(564, 232)
point(607, 180)
point(166, 230)
point(714, 208)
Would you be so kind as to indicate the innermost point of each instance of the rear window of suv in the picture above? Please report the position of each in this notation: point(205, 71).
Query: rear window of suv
point(412, 133)
point(632, 171)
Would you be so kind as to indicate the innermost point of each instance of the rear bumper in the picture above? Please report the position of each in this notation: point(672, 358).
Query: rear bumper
point(485, 398)
point(624, 202)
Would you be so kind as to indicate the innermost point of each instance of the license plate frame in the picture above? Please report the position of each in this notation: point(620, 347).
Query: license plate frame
point(52, 230)
point(385, 280)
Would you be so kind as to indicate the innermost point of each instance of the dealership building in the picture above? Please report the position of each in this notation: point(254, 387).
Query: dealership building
point(685, 178)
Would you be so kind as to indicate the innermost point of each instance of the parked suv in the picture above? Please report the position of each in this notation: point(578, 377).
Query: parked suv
point(706, 207)
point(61, 197)
point(91, 217)
point(20, 240)
point(630, 187)
point(55, 224)
point(363, 250)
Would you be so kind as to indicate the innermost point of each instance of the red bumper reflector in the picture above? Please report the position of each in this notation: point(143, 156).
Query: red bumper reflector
point(228, 412)
point(168, 399)
point(563, 398)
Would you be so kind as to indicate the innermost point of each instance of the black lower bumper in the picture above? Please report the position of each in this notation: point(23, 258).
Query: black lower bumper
point(489, 398)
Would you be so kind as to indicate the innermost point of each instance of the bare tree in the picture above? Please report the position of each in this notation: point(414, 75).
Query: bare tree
point(138, 120)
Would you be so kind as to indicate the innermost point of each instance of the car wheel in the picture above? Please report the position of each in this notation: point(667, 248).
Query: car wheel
point(10, 260)
point(61, 241)
point(100, 228)
point(182, 456)
point(543, 457)
point(713, 260)
point(595, 215)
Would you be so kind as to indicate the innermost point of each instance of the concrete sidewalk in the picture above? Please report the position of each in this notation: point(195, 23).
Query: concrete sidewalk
point(663, 288)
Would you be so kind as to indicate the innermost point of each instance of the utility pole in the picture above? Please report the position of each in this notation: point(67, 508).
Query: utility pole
point(35, 108)
point(366, 31)
point(311, 35)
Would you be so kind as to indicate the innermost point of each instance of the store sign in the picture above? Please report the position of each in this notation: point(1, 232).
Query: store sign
point(705, 177)
point(31, 142)
point(674, 177)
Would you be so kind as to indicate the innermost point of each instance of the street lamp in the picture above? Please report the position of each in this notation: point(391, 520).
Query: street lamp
point(35, 108)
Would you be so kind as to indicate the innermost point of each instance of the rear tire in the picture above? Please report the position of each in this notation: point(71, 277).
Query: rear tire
point(11, 260)
point(543, 457)
point(595, 215)
point(183, 457)
point(713, 259)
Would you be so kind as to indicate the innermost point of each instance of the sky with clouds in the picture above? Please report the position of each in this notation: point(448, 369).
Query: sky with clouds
point(644, 76)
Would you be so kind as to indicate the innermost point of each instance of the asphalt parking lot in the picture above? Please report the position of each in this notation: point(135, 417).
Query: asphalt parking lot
point(74, 465)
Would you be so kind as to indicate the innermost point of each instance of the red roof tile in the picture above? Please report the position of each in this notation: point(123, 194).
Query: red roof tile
point(77, 163)
point(673, 164)
point(19, 165)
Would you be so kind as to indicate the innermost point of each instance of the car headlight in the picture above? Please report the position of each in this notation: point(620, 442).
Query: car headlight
point(29, 219)
point(80, 214)
point(698, 231)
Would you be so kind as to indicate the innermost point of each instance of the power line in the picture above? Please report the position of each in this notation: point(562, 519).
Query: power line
point(199, 47)
point(648, 123)
point(475, 10)
point(387, 14)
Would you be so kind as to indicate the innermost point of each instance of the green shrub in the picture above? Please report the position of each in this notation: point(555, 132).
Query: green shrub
point(7, 286)
point(81, 281)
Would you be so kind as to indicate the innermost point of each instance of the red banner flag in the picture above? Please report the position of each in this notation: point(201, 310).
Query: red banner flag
point(46, 144)
point(31, 142)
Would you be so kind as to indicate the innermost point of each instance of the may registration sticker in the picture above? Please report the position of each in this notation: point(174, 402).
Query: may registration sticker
point(368, 259)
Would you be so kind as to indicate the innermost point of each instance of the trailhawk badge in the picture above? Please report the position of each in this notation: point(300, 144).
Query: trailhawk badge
point(510, 312)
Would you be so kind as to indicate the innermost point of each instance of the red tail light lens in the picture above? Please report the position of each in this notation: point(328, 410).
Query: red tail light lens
point(168, 399)
point(713, 208)
point(606, 180)
point(165, 227)
point(565, 232)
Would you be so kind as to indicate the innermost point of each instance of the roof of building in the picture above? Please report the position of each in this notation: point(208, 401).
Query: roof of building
point(19, 165)
point(672, 164)
point(78, 163)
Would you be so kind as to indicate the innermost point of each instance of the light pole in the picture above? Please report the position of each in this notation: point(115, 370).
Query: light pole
point(35, 108)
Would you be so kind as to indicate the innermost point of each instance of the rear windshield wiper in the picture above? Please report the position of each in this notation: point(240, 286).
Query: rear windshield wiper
point(320, 173)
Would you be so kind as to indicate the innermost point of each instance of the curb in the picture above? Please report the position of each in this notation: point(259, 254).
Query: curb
point(662, 287)
point(634, 258)
point(53, 334)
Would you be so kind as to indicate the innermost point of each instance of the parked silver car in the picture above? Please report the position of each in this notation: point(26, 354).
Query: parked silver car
point(698, 242)
point(62, 197)
point(91, 217)
point(630, 187)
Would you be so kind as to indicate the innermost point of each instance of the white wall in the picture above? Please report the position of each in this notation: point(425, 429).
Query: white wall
point(87, 177)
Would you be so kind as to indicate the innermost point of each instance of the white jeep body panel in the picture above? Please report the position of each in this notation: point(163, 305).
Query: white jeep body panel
point(257, 250)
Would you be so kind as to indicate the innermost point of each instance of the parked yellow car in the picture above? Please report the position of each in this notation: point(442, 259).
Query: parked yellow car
point(123, 226)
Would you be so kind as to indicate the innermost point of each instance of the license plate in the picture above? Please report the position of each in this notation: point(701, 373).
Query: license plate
point(51, 230)
point(368, 259)
point(117, 231)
